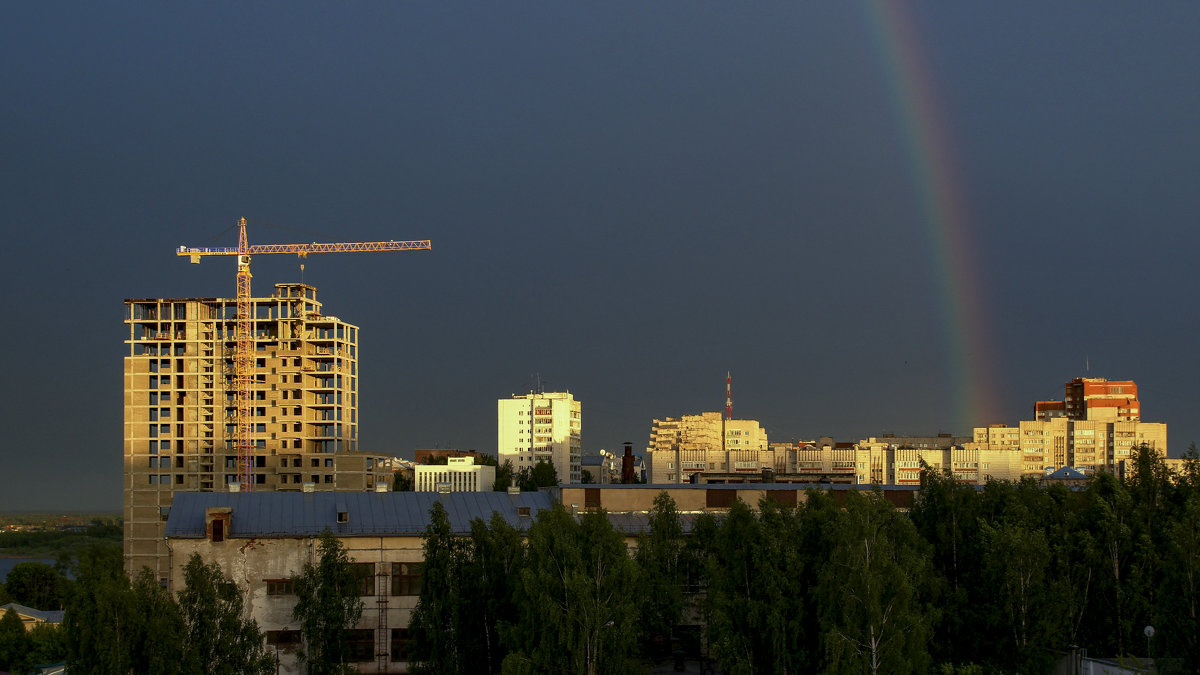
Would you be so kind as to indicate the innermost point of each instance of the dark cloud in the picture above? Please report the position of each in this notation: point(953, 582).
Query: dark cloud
point(627, 198)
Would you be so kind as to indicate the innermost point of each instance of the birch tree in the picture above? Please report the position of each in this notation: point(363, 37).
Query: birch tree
point(875, 620)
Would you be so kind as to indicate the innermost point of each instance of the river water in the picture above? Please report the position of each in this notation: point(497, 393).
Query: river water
point(6, 564)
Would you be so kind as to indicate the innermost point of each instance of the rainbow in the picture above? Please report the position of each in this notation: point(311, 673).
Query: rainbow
point(943, 200)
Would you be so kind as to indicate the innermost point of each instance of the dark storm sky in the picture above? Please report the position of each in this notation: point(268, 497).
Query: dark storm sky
point(629, 198)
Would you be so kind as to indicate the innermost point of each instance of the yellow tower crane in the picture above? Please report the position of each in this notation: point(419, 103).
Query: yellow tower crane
point(243, 359)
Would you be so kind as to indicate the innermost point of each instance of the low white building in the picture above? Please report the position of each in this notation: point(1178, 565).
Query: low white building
point(459, 474)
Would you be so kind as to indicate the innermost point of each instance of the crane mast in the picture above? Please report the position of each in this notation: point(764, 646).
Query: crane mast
point(244, 338)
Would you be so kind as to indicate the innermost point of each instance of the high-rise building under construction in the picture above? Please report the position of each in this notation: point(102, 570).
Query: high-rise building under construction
point(181, 406)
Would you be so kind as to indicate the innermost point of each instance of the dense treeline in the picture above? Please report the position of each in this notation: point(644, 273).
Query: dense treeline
point(61, 543)
point(1003, 579)
point(117, 625)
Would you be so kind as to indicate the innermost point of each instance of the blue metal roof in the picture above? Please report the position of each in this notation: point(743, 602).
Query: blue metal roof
point(300, 514)
point(1067, 473)
point(52, 616)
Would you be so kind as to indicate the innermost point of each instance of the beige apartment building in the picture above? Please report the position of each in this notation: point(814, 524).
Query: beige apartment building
point(682, 446)
point(891, 460)
point(1089, 445)
point(709, 449)
point(541, 427)
point(181, 407)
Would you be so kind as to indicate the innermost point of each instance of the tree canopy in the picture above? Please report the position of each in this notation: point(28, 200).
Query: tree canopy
point(327, 604)
point(216, 637)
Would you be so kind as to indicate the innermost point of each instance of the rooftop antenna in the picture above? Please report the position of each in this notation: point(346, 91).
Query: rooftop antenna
point(1087, 365)
point(728, 395)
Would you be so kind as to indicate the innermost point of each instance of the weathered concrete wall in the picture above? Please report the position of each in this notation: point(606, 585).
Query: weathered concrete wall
point(253, 562)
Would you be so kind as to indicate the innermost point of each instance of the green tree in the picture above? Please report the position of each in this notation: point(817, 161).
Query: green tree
point(217, 638)
point(102, 624)
point(1189, 474)
point(755, 599)
point(1017, 559)
point(1181, 585)
point(876, 622)
point(158, 646)
point(327, 604)
point(14, 644)
point(733, 573)
point(495, 558)
point(543, 475)
point(402, 482)
point(540, 475)
point(660, 561)
point(504, 476)
point(47, 644)
point(437, 622)
point(35, 585)
point(586, 477)
point(946, 514)
point(576, 612)
point(1110, 519)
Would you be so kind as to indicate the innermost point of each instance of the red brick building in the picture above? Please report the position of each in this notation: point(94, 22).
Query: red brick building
point(1094, 398)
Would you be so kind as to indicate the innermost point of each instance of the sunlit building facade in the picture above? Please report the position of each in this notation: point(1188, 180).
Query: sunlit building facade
point(682, 446)
point(541, 427)
point(180, 406)
point(1086, 445)
point(1093, 398)
point(458, 474)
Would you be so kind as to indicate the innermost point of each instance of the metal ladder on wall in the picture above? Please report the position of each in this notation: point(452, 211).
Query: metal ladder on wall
point(383, 641)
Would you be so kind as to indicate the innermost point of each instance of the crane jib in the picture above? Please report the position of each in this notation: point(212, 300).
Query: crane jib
point(258, 249)
point(244, 333)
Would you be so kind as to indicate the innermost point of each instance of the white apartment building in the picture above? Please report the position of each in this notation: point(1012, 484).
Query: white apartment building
point(459, 474)
point(541, 427)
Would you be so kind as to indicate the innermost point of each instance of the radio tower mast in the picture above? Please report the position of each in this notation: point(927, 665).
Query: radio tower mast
point(728, 395)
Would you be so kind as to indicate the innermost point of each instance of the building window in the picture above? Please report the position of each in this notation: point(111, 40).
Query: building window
point(400, 643)
point(360, 644)
point(364, 575)
point(281, 587)
point(406, 578)
point(283, 639)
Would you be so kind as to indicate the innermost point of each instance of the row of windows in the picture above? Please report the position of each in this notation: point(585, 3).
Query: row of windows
point(405, 580)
